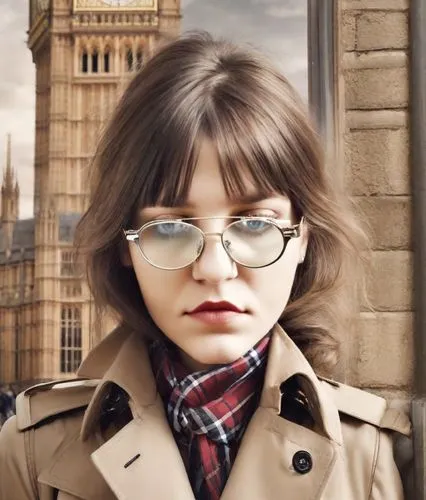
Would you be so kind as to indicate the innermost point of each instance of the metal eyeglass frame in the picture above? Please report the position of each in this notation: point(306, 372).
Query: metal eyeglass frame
point(287, 233)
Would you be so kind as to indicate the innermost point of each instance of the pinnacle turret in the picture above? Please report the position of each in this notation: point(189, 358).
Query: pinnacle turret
point(8, 175)
point(9, 189)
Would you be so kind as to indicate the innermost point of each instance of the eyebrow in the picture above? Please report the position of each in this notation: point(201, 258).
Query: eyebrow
point(246, 199)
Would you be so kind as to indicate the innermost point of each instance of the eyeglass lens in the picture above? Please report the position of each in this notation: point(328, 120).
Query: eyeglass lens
point(173, 245)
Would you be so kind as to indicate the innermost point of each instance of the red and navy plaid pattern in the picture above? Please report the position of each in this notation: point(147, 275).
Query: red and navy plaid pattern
point(209, 411)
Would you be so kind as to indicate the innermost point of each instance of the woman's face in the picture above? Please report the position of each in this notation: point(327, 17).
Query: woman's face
point(260, 294)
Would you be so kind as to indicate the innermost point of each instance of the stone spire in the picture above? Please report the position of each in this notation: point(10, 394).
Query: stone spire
point(9, 199)
point(8, 176)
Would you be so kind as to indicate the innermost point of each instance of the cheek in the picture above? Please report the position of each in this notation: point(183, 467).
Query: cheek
point(150, 279)
point(159, 288)
point(273, 284)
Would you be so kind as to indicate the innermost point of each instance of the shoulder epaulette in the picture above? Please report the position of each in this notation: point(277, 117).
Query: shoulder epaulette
point(367, 407)
point(44, 401)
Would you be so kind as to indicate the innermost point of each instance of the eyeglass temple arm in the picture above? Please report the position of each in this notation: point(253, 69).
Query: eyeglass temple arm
point(131, 234)
point(293, 232)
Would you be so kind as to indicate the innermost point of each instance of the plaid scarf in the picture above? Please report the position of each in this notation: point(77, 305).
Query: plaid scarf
point(209, 411)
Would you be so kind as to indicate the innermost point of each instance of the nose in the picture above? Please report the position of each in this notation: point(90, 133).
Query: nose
point(214, 264)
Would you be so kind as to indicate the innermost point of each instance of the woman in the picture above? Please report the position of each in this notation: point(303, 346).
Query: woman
point(215, 237)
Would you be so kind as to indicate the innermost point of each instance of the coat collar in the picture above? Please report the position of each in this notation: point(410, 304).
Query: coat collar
point(122, 358)
point(136, 460)
point(285, 360)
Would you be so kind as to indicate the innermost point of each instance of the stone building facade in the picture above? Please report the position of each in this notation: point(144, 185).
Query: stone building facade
point(84, 52)
point(375, 114)
point(374, 92)
point(17, 307)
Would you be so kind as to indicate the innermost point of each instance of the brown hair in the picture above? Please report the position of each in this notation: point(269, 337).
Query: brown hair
point(197, 86)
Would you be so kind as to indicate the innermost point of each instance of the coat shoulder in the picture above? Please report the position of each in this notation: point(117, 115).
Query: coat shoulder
point(367, 407)
point(43, 402)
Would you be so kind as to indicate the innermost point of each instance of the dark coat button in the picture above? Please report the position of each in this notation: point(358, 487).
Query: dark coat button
point(302, 462)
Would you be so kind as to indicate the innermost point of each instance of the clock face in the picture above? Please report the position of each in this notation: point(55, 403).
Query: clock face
point(115, 4)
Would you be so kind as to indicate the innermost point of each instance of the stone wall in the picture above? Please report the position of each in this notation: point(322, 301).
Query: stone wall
point(374, 72)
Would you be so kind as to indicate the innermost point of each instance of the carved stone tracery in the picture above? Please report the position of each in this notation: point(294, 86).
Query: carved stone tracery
point(84, 20)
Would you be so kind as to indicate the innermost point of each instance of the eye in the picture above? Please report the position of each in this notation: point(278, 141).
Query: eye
point(171, 229)
point(255, 224)
point(253, 227)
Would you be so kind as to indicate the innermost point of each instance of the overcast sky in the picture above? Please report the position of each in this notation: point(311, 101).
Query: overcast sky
point(278, 27)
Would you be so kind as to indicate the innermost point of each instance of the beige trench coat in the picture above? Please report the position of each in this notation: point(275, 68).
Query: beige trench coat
point(53, 449)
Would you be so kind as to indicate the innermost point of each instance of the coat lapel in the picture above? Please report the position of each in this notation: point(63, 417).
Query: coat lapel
point(264, 464)
point(142, 461)
point(72, 471)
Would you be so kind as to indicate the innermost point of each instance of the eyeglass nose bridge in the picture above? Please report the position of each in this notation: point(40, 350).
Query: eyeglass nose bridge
point(213, 234)
point(204, 240)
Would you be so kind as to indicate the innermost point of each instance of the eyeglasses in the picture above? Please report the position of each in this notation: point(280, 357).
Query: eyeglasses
point(252, 242)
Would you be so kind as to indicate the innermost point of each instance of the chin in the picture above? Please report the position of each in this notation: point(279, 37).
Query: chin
point(220, 359)
point(222, 354)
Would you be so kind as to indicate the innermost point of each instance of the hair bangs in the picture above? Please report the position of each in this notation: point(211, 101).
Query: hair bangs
point(247, 148)
point(171, 171)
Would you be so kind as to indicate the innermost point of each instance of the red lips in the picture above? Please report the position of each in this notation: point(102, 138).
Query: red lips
point(223, 305)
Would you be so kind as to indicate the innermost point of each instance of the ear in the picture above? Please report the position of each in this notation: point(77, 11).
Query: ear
point(124, 251)
point(304, 236)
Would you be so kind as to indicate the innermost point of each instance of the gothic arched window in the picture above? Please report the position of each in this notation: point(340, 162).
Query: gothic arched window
point(107, 62)
point(85, 62)
point(95, 62)
point(71, 338)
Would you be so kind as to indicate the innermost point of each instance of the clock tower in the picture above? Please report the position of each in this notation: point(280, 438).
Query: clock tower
point(84, 53)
